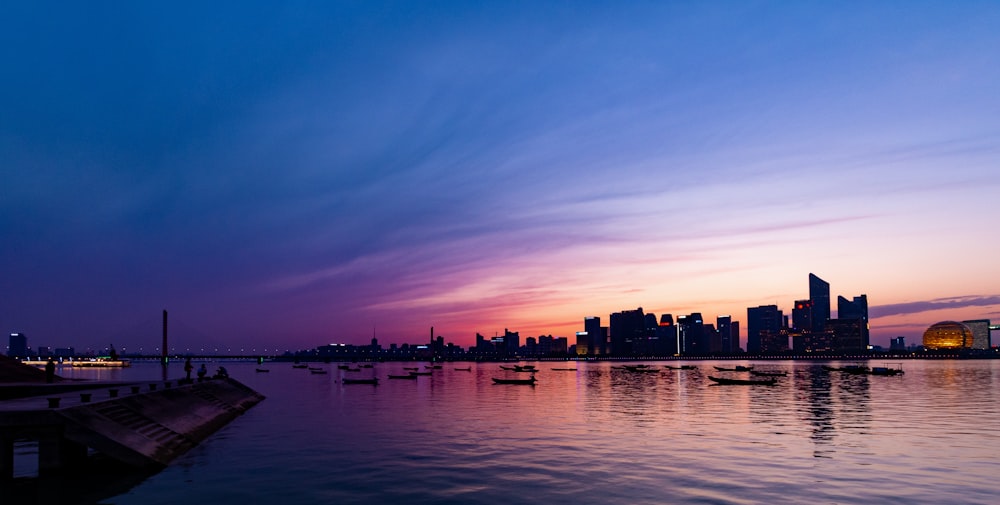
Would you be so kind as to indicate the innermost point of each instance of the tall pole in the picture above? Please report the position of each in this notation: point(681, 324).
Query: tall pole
point(163, 350)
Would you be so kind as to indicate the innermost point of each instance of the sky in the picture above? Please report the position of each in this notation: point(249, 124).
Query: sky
point(283, 175)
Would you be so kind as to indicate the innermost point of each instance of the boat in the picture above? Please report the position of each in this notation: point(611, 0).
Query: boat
point(743, 382)
point(527, 382)
point(367, 366)
point(349, 369)
point(886, 370)
point(414, 368)
point(854, 369)
point(769, 374)
point(467, 369)
point(520, 368)
point(434, 367)
point(421, 373)
point(641, 368)
point(408, 376)
point(317, 371)
point(262, 370)
point(300, 366)
point(373, 381)
point(682, 367)
point(564, 369)
point(344, 367)
point(737, 368)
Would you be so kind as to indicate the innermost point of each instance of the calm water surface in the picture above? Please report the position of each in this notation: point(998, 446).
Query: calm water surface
point(598, 435)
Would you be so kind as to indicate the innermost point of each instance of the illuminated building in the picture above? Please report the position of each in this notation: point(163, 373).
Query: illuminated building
point(980, 333)
point(597, 335)
point(948, 335)
point(802, 315)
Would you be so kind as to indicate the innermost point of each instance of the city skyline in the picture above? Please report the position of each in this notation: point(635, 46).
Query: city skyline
point(283, 175)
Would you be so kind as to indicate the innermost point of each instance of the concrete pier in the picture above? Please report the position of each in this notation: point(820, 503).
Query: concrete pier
point(145, 429)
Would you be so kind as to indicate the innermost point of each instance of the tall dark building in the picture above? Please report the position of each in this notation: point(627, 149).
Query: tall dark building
point(693, 339)
point(18, 347)
point(819, 295)
point(856, 309)
point(724, 326)
point(626, 327)
point(802, 316)
point(598, 342)
point(765, 318)
point(666, 333)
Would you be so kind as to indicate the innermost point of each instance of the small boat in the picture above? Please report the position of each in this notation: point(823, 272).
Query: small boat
point(344, 367)
point(262, 370)
point(885, 370)
point(367, 366)
point(414, 368)
point(737, 368)
point(317, 371)
point(682, 367)
point(640, 368)
point(563, 369)
point(743, 382)
point(408, 376)
point(349, 369)
point(520, 368)
point(373, 381)
point(434, 367)
point(316, 368)
point(769, 374)
point(468, 369)
point(527, 382)
point(300, 366)
point(421, 373)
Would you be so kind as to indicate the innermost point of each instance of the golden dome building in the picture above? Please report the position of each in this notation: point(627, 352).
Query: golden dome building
point(948, 335)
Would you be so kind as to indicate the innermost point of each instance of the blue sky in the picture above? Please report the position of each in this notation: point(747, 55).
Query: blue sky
point(288, 174)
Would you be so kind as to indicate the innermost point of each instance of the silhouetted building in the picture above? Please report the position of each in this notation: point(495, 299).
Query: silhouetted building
point(765, 318)
point(626, 327)
point(693, 339)
point(666, 334)
point(597, 335)
point(980, 333)
point(849, 335)
point(855, 309)
point(18, 347)
point(819, 295)
point(802, 316)
point(898, 344)
point(727, 342)
point(582, 346)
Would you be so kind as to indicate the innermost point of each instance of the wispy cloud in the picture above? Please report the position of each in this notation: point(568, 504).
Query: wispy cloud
point(917, 307)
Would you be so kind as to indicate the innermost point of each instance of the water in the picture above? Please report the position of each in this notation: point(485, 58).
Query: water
point(597, 435)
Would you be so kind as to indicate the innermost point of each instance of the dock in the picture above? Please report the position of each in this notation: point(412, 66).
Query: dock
point(143, 425)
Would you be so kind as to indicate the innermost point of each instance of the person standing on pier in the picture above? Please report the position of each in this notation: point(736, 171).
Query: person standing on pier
point(50, 371)
point(187, 369)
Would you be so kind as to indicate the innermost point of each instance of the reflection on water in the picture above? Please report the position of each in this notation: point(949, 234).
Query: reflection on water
point(600, 435)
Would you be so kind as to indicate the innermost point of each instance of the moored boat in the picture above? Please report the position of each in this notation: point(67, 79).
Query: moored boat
point(408, 376)
point(769, 374)
point(742, 382)
point(373, 381)
point(527, 382)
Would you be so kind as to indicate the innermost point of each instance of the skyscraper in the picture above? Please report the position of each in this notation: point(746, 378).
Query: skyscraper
point(819, 295)
point(765, 318)
point(595, 334)
point(18, 347)
point(625, 327)
point(802, 316)
point(723, 325)
point(856, 309)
